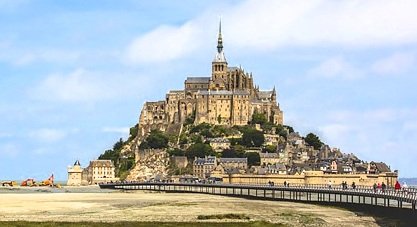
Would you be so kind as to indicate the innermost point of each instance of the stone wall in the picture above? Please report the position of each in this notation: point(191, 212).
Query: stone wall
point(314, 177)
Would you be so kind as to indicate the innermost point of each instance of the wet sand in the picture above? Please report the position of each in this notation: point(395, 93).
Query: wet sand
point(91, 204)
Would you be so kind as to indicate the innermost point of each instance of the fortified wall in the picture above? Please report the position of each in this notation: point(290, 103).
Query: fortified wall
point(314, 177)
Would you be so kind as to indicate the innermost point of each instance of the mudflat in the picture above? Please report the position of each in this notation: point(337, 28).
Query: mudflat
point(93, 205)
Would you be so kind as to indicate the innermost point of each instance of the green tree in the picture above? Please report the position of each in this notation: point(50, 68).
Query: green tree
point(133, 132)
point(156, 140)
point(176, 152)
point(118, 145)
point(253, 158)
point(199, 150)
point(270, 148)
point(282, 131)
point(252, 138)
point(290, 129)
point(109, 155)
point(258, 118)
point(313, 140)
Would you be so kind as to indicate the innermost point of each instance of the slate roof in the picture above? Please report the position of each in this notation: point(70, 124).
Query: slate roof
point(210, 160)
point(101, 163)
point(233, 160)
point(268, 155)
point(382, 167)
point(265, 94)
point(232, 68)
point(197, 80)
point(218, 140)
point(224, 92)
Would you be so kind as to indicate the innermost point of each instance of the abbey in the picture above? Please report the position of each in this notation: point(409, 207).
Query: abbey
point(227, 97)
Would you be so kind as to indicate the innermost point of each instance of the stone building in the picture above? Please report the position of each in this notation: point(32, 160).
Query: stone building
point(75, 174)
point(202, 167)
point(269, 158)
point(99, 171)
point(219, 144)
point(239, 163)
point(228, 96)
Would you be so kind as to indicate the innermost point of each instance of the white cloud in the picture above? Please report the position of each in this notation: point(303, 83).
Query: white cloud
point(46, 55)
point(335, 67)
point(78, 85)
point(353, 23)
point(165, 43)
point(48, 135)
point(378, 134)
point(282, 24)
point(118, 130)
point(9, 150)
point(82, 85)
point(395, 64)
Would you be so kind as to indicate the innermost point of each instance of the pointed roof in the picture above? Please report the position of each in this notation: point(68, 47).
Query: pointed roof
point(220, 54)
point(220, 39)
point(77, 163)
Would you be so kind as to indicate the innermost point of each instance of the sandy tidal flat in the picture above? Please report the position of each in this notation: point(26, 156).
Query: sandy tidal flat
point(166, 207)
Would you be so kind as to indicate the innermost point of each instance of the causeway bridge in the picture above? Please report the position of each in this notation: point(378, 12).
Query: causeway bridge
point(297, 193)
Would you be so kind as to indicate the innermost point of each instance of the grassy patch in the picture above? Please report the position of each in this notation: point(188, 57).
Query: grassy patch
point(134, 224)
point(305, 219)
point(223, 216)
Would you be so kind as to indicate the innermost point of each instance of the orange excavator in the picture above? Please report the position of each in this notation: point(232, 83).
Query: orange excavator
point(31, 182)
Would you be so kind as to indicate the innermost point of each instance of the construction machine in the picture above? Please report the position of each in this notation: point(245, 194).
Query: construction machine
point(9, 183)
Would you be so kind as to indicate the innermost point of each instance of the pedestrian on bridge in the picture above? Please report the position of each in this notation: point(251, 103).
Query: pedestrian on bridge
point(397, 186)
point(383, 186)
point(379, 187)
point(353, 185)
point(375, 186)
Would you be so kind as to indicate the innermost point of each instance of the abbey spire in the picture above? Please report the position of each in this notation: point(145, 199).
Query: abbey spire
point(220, 39)
point(220, 54)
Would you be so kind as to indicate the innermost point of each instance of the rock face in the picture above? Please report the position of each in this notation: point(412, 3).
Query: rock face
point(151, 163)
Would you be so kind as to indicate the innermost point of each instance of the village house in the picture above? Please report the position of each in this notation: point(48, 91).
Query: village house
point(269, 158)
point(202, 167)
point(219, 144)
point(271, 139)
point(99, 171)
point(378, 167)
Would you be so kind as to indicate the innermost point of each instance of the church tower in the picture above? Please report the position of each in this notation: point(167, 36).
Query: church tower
point(219, 65)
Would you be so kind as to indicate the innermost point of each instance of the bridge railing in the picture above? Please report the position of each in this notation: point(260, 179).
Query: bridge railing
point(406, 193)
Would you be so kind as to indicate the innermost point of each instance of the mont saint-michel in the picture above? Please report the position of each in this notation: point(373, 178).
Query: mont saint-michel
point(152, 113)
point(228, 97)
point(223, 127)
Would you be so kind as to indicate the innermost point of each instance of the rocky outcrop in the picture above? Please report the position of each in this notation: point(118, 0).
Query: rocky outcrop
point(152, 163)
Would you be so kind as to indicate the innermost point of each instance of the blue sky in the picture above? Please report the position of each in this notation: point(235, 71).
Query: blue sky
point(74, 74)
